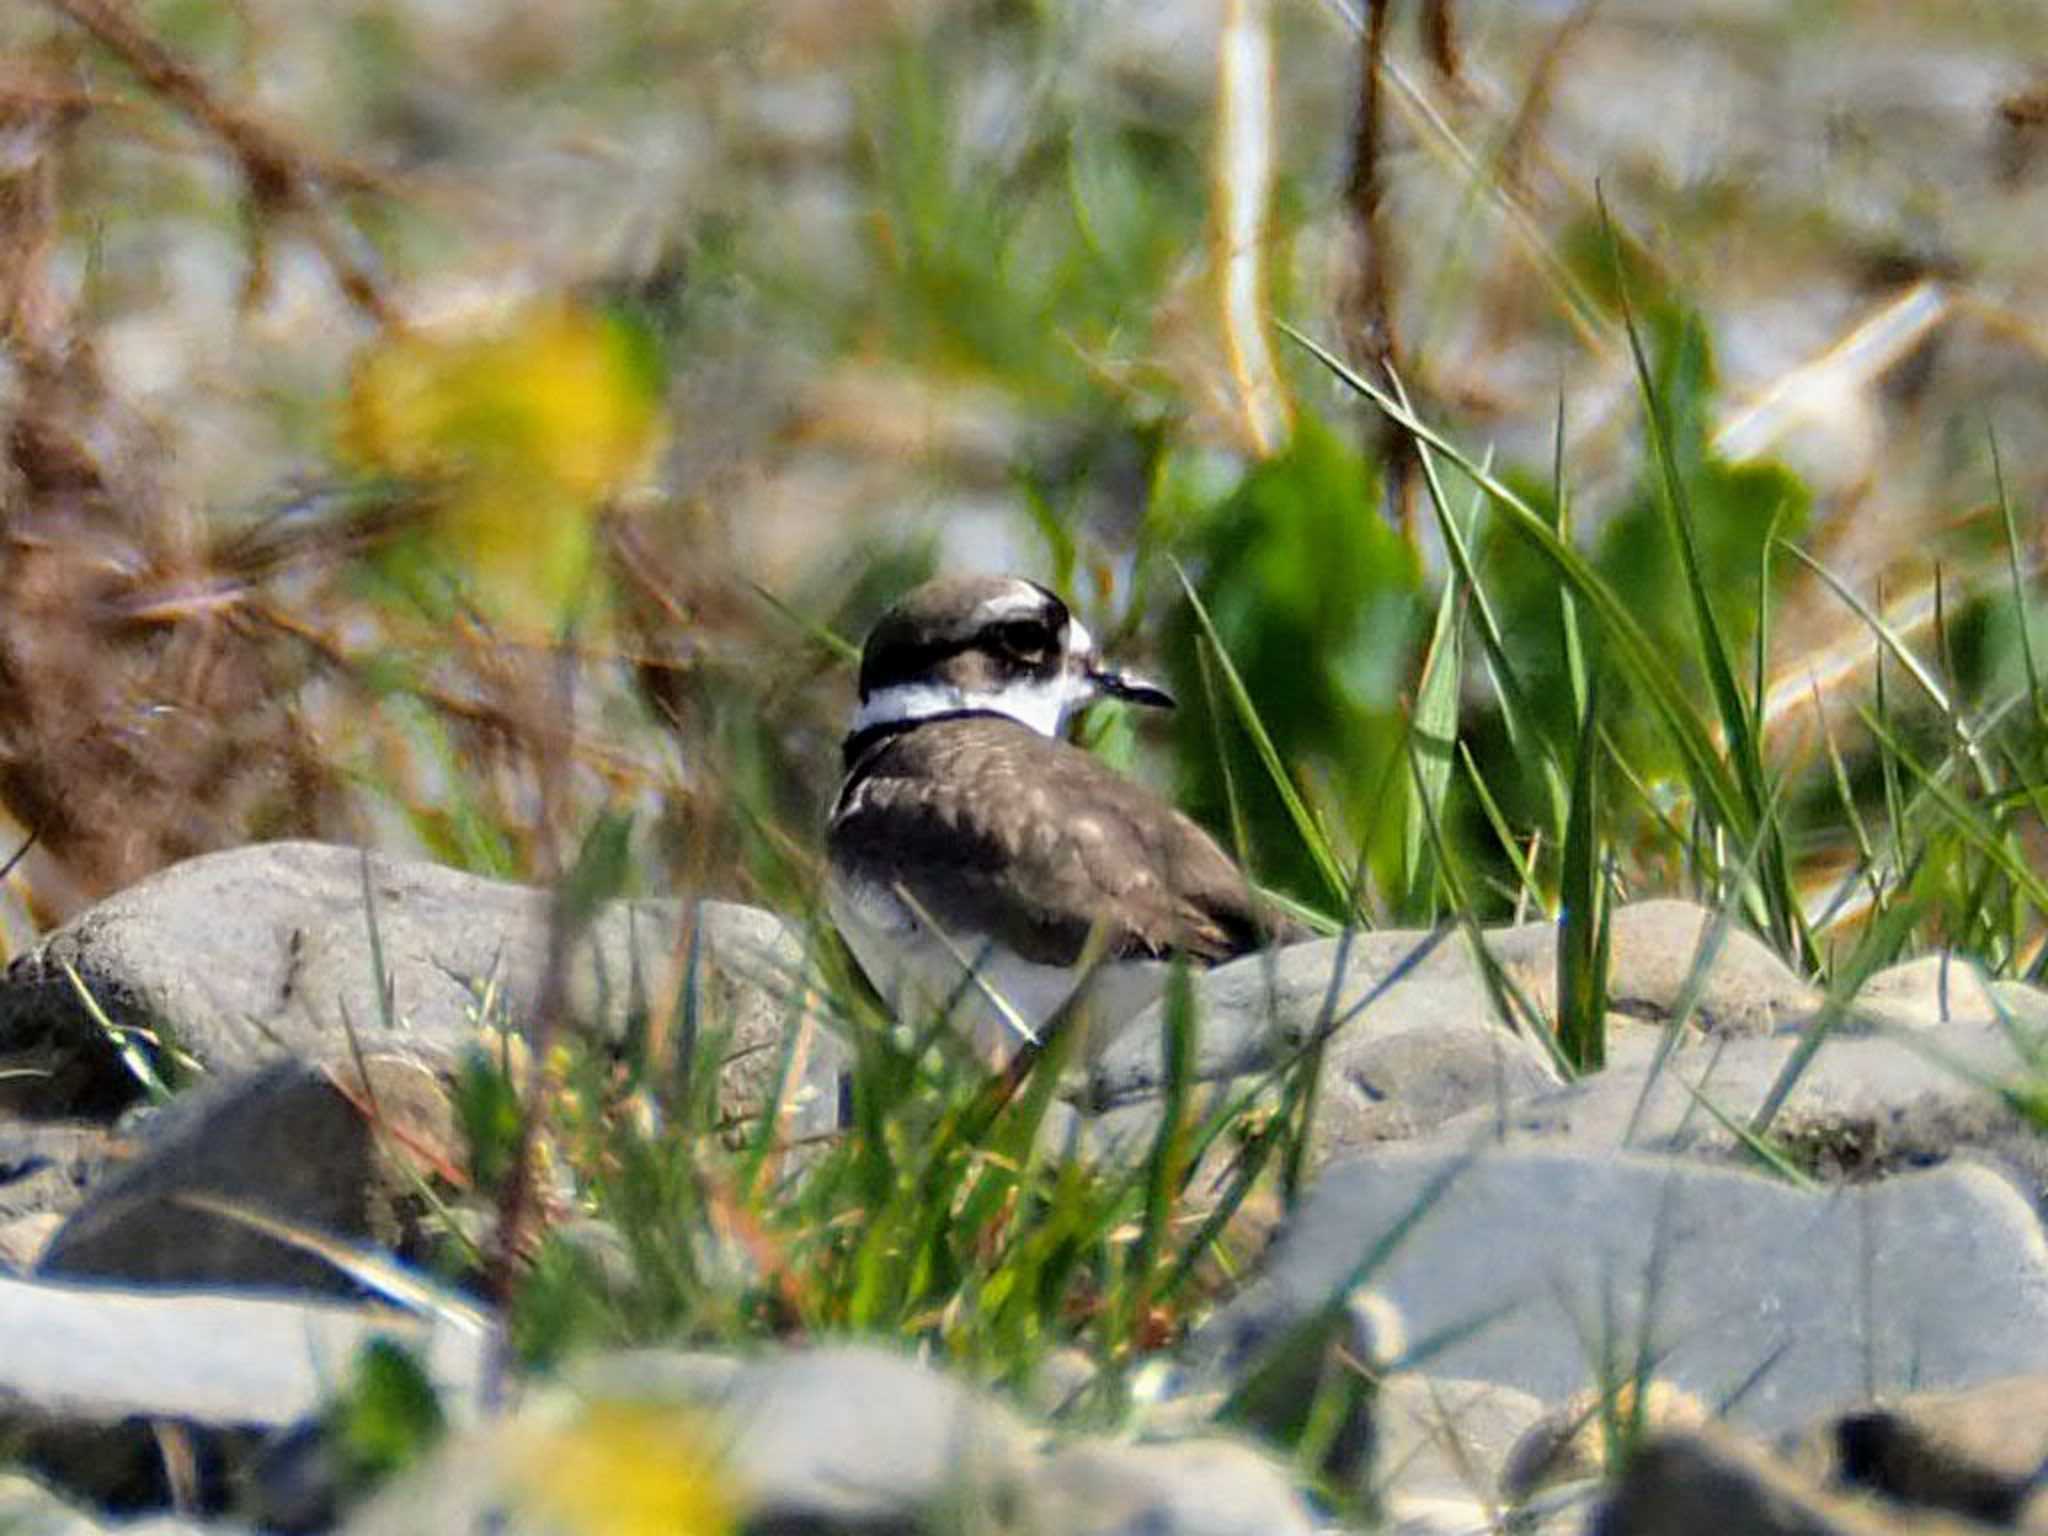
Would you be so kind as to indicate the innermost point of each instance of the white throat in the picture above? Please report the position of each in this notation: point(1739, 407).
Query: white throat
point(1041, 704)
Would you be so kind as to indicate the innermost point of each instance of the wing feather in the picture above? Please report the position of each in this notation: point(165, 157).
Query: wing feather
point(967, 816)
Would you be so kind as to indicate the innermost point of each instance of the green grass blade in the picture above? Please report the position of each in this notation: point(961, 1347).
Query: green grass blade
point(1583, 934)
point(1490, 808)
point(1314, 836)
point(1513, 1009)
point(1567, 609)
point(1992, 844)
point(2023, 608)
point(1666, 696)
point(1736, 714)
point(1527, 738)
point(1899, 651)
point(1434, 725)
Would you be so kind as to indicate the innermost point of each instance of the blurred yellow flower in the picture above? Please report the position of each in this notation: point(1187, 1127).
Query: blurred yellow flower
point(625, 1469)
point(526, 432)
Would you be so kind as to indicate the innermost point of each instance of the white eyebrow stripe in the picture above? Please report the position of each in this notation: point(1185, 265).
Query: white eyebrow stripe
point(1021, 600)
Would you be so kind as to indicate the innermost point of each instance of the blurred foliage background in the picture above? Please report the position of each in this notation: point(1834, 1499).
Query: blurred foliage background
point(435, 424)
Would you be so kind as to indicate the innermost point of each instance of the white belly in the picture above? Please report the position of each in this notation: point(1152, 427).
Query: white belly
point(995, 999)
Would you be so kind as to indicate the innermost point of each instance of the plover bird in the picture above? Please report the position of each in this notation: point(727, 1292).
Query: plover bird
point(981, 863)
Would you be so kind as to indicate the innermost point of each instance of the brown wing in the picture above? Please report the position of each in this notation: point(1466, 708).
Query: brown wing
point(1035, 842)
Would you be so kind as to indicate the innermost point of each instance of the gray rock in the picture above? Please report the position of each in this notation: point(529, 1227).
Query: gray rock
point(1919, 994)
point(1864, 1105)
point(45, 1167)
point(1531, 1267)
point(23, 1239)
point(1591, 1432)
point(1405, 1056)
point(1256, 1010)
point(836, 1439)
point(241, 957)
point(1331, 1367)
point(855, 1437)
point(1407, 1051)
point(657, 1375)
point(1438, 1515)
point(1444, 1438)
point(1205, 1487)
point(1421, 1053)
point(96, 1354)
point(2022, 1004)
point(1707, 1482)
point(1657, 946)
point(137, 1400)
point(1977, 1452)
point(1060, 1380)
point(27, 1508)
point(1414, 1035)
point(284, 1143)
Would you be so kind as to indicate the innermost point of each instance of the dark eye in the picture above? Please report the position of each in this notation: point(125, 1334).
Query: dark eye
point(1025, 637)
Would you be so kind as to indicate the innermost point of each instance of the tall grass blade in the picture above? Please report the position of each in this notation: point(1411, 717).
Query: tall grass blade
point(1314, 836)
point(1513, 1009)
point(1434, 725)
point(1735, 713)
point(1988, 841)
point(1669, 699)
point(1583, 934)
point(1166, 1168)
point(1567, 609)
point(1899, 651)
point(1878, 946)
point(2023, 607)
point(1528, 739)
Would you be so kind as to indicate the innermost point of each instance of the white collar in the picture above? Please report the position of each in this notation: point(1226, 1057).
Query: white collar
point(1041, 705)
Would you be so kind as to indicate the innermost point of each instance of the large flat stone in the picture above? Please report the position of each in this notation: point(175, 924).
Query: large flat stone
point(1707, 1482)
point(1545, 1270)
point(285, 1142)
point(241, 957)
point(95, 1354)
point(1866, 1104)
point(1414, 1035)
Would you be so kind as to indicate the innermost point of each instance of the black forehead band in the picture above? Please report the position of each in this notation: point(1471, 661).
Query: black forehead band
point(908, 662)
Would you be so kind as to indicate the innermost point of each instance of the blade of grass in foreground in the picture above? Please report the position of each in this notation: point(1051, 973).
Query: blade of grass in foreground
point(1314, 837)
point(1903, 654)
point(1668, 698)
point(1736, 717)
point(1528, 739)
point(1166, 1167)
point(1583, 932)
point(1434, 725)
point(1514, 1010)
point(1988, 840)
point(1879, 943)
point(1706, 950)
point(2023, 608)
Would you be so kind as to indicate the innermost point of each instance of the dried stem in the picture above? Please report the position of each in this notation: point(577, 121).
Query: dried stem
point(280, 175)
point(1367, 308)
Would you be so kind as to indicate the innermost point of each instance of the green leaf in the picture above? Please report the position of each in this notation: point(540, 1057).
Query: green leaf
point(1314, 602)
point(488, 1111)
point(603, 865)
point(389, 1415)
